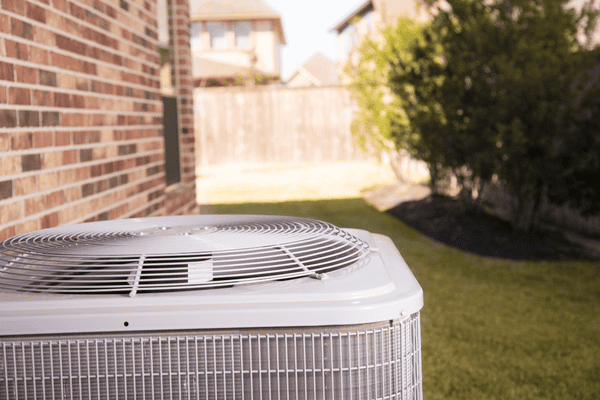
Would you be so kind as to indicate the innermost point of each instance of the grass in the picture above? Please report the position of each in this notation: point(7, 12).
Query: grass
point(492, 328)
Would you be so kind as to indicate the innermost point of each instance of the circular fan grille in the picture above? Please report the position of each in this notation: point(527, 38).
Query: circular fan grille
point(174, 253)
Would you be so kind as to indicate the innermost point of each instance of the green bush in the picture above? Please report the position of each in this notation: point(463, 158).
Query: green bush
point(494, 89)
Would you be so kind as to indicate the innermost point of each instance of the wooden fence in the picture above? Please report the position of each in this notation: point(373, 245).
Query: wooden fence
point(273, 125)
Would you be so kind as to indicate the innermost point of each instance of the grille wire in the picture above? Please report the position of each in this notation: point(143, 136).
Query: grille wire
point(375, 361)
point(76, 262)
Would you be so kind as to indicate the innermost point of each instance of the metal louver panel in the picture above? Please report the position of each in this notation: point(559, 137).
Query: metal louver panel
point(375, 361)
point(171, 253)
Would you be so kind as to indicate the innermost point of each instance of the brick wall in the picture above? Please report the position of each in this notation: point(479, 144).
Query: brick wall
point(182, 198)
point(81, 113)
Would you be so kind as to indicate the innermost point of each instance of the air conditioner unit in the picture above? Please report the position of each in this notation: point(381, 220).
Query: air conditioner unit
point(207, 307)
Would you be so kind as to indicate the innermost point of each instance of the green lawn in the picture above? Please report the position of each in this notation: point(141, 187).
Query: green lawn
point(492, 329)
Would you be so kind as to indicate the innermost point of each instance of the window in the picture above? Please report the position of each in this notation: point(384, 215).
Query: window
point(242, 30)
point(196, 36)
point(171, 136)
point(218, 35)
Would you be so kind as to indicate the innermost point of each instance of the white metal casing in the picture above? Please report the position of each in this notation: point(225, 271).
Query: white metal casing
point(380, 287)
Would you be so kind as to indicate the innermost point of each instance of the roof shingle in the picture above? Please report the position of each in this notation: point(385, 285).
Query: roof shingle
point(231, 9)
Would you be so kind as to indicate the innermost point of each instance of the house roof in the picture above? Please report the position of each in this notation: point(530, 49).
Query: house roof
point(231, 10)
point(347, 19)
point(204, 68)
point(320, 69)
point(235, 10)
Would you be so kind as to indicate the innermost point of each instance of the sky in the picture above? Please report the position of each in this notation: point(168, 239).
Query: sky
point(307, 25)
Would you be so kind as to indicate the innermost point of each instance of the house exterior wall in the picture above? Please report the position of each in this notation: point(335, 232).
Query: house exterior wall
point(351, 36)
point(81, 112)
point(267, 45)
point(300, 79)
point(181, 198)
point(262, 54)
point(382, 11)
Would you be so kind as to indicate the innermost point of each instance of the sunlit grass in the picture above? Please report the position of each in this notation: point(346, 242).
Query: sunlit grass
point(492, 328)
point(290, 181)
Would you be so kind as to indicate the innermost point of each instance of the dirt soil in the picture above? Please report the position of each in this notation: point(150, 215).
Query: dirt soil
point(443, 219)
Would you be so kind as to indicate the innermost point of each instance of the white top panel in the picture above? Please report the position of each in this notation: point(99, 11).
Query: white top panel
point(378, 288)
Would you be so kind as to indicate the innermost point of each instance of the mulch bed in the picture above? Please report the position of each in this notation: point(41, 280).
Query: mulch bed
point(443, 219)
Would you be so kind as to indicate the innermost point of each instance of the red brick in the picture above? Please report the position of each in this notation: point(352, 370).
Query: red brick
point(97, 5)
point(44, 36)
point(4, 142)
point(77, 101)
point(16, 6)
point(42, 98)
point(71, 45)
point(16, 50)
point(36, 12)
point(43, 139)
point(31, 162)
point(111, 12)
point(89, 68)
point(7, 233)
point(11, 212)
point(6, 189)
point(29, 226)
point(34, 205)
point(69, 157)
point(8, 118)
point(3, 94)
point(82, 84)
point(83, 173)
point(61, 100)
point(66, 62)
point(54, 199)
point(21, 141)
point(38, 56)
point(76, 11)
point(62, 138)
point(67, 215)
point(9, 165)
point(47, 78)
point(98, 120)
point(50, 118)
point(48, 181)
point(7, 71)
point(94, 137)
point(26, 74)
point(29, 118)
point(73, 119)
point(24, 186)
point(21, 29)
point(18, 95)
point(51, 160)
point(80, 137)
point(50, 220)
point(62, 5)
point(4, 23)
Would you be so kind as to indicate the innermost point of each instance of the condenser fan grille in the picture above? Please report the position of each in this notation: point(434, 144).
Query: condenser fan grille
point(171, 254)
point(374, 361)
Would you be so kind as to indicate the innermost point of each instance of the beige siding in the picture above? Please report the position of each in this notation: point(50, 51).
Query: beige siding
point(266, 47)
